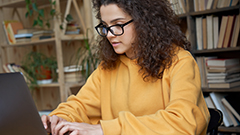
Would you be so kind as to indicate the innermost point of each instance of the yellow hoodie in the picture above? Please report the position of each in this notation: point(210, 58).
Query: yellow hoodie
point(125, 104)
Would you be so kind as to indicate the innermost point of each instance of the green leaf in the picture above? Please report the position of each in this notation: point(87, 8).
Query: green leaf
point(40, 22)
point(28, 2)
point(27, 7)
point(61, 27)
point(30, 12)
point(48, 24)
point(26, 15)
point(54, 3)
point(41, 13)
point(35, 22)
point(34, 5)
point(69, 18)
point(52, 12)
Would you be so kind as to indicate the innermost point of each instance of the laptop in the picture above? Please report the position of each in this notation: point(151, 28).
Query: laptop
point(18, 113)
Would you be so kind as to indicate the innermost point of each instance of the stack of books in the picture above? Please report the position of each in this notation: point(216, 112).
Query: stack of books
point(42, 34)
point(24, 35)
point(228, 104)
point(223, 73)
point(12, 67)
point(72, 73)
point(72, 29)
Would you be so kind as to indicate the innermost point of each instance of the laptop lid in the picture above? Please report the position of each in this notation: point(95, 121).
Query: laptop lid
point(18, 113)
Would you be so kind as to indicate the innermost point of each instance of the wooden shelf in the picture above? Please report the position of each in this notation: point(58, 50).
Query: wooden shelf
point(230, 49)
point(235, 89)
point(46, 41)
point(229, 129)
point(181, 16)
point(212, 11)
point(43, 41)
point(73, 37)
point(21, 3)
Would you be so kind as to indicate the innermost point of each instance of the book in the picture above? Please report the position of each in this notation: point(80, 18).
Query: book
point(9, 32)
point(225, 80)
point(182, 6)
point(204, 34)
point(201, 70)
point(224, 85)
point(5, 68)
point(225, 69)
point(24, 35)
point(209, 102)
point(235, 33)
point(201, 61)
point(229, 29)
point(231, 101)
point(216, 98)
point(222, 31)
point(234, 120)
point(26, 31)
point(215, 4)
point(201, 5)
point(223, 3)
point(73, 79)
point(210, 32)
point(42, 32)
point(215, 31)
point(234, 2)
point(15, 26)
point(228, 76)
point(209, 4)
point(196, 7)
point(199, 33)
point(222, 62)
point(73, 73)
point(23, 40)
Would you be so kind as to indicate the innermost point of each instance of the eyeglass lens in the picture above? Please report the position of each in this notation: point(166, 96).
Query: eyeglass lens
point(115, 30)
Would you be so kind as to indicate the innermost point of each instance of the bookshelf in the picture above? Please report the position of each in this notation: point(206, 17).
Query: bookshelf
point(62, 46)
point(230, 52)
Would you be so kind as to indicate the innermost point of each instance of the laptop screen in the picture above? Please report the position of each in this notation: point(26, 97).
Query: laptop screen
point(18, 113)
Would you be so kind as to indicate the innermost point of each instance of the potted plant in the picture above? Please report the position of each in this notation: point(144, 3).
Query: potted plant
point(40, 68)
point(87, 57)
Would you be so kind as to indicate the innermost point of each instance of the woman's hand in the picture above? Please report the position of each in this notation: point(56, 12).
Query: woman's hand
point(74, 128)
point(50, 122)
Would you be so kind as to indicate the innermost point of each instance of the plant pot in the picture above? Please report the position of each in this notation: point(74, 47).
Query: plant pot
point(44, 75)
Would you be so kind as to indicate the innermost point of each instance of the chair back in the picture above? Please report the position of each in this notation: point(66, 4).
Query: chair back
point(216, 118)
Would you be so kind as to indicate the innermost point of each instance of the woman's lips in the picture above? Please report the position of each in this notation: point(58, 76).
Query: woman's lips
point(115, 44)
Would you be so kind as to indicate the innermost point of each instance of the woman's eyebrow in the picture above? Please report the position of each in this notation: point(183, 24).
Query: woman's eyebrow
point(114, 20)
point(117, 19)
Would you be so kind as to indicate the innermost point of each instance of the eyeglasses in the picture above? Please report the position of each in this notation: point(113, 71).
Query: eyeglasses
point(116, 30)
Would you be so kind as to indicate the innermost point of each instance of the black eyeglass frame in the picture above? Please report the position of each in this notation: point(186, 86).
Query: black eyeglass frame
point(109, 28)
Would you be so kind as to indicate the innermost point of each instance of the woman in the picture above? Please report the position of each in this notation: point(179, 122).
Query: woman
point(147, 83)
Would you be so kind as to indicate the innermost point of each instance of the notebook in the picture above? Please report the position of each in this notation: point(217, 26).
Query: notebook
point(18, 113)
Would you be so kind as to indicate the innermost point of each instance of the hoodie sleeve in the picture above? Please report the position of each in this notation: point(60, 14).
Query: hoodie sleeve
point(85, 106)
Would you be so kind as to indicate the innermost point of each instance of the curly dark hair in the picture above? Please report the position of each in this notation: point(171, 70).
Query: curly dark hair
point(157, 35)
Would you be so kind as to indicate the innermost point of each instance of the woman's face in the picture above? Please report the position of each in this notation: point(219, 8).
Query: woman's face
point(111, 15)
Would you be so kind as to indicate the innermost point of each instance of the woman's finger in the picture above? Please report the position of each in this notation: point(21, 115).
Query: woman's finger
point(45, 120)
